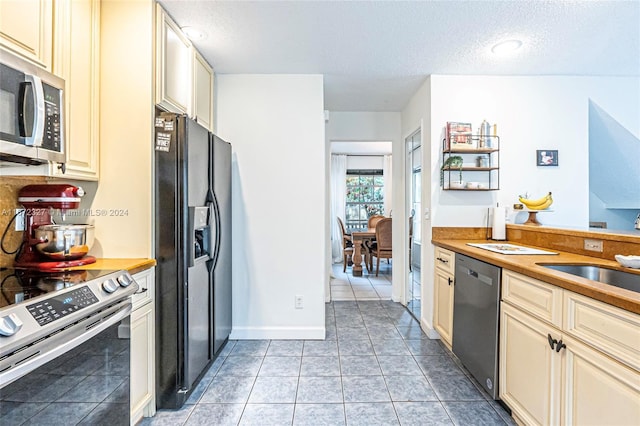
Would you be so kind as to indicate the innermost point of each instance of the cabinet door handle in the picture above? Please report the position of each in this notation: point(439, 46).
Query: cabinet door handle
point(560, 346)
point(449, 280)
point(442, 260)
point(552, 341)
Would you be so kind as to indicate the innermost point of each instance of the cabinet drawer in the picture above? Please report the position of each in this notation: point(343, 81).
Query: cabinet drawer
point(533, 296)
point(146, 280)
point(611, 330)
point(445, 260)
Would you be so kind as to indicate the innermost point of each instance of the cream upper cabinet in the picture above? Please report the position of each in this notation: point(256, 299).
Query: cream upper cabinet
point(574, 366)
point(443, 289)
point(26, 28)
point(77, 60)
point(202, 105)
point(173, 69)
point(184, 79)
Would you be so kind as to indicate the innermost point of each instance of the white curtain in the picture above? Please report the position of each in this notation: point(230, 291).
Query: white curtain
point(386, 174)
point(338, 198)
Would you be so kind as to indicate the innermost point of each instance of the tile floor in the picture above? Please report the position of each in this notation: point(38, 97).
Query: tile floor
point(414, 304)
point(344, 286)
point(375, 367)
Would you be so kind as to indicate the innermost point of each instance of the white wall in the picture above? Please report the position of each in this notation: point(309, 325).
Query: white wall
point(272, 121)
point(531, 113)
point(365, 162)
point(417, 115)
point(377, 127)
point(363, 126)
point(126, 131)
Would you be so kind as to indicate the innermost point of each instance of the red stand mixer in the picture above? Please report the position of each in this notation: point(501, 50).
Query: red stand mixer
point(47, 245)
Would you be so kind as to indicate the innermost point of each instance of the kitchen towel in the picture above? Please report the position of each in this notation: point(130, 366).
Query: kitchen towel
point(499, 226)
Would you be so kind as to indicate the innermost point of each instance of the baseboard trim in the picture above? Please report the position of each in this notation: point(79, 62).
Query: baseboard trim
point(278, 333)
point(429, 330)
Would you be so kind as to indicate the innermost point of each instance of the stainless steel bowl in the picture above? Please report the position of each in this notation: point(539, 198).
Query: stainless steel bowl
point(64, 242)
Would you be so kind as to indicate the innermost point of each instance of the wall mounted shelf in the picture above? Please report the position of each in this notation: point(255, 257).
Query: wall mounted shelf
point(484, 152)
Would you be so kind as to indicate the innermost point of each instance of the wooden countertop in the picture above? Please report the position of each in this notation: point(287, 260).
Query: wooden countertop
point(528, 265)
point(132, 265)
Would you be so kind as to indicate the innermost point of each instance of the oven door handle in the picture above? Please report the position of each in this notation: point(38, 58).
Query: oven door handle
point(18, 371)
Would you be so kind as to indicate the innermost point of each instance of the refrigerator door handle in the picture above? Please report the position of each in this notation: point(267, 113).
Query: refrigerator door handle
point(218, 225)
point(184, 365)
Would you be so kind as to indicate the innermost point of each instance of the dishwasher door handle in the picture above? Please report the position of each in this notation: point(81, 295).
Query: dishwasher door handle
point(478, 276)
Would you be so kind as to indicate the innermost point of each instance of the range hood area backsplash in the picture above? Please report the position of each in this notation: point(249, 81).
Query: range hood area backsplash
point(9, 187)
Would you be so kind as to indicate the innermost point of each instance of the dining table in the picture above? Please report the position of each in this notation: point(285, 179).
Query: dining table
point(359, 238)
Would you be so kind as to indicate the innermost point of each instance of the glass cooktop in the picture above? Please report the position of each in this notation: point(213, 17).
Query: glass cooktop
point(20, 285)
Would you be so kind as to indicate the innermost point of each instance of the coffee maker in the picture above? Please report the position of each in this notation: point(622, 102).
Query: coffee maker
point(47, 245)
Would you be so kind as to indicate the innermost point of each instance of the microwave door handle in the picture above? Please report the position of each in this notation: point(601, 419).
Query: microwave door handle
point(38, 111)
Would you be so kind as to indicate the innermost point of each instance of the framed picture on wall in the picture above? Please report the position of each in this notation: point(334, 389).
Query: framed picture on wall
point(547, 157)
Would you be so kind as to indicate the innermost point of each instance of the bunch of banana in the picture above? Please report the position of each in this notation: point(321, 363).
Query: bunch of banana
point(539, 204)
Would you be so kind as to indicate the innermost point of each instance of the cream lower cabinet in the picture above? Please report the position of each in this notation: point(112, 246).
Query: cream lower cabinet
point(548, 375)
point(143, 349)
point(597, 389)
point(529, 368)
point(443, 294)
point(443, 312)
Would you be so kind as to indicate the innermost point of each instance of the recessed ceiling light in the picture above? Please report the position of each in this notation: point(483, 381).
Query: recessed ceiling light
point(194, 33)
point(506, 47)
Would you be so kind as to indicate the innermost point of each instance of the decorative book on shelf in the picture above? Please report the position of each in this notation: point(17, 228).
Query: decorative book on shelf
point(458, 136)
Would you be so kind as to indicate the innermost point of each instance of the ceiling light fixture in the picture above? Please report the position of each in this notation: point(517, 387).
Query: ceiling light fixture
point(194, 33)
point(506, 47)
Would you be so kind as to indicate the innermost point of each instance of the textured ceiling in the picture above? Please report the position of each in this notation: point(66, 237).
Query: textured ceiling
point(374, 55)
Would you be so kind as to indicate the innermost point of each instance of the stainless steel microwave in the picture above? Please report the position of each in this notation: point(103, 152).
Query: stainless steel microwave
point(31, 112)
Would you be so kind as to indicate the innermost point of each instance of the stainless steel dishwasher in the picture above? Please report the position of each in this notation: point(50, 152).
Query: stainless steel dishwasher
point(476, 306)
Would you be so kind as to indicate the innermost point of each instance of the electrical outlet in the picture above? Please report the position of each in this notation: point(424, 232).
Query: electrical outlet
point(19, 220)
point(593, 245)
point(299, 301)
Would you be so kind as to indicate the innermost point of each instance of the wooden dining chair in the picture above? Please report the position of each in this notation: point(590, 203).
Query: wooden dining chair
point(373, 220)
point(347, 245)
point(382, 248)
point(371, 224)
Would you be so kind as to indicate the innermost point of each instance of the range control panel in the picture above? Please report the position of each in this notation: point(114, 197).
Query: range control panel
point(57, 307)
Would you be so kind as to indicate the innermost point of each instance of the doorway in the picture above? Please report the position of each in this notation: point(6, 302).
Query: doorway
point(361, 186)
point(413, 197)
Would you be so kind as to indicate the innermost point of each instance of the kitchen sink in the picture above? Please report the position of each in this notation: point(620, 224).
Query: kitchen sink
point(612, 277)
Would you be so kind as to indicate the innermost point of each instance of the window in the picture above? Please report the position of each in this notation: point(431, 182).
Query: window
point(365, 197)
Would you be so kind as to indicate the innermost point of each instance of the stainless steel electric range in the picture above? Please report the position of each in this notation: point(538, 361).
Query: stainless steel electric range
point(64, 346)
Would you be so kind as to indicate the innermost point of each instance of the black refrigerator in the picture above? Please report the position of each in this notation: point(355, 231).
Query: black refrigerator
point(193, 253)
